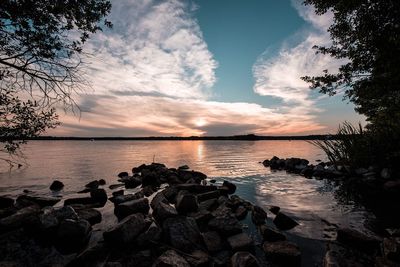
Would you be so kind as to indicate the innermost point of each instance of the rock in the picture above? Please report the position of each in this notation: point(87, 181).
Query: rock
point(92, 257)
point(274, 209)
point(56, 185)
point(149, 178)
point(126, 230)
point(307, 171)
point(93, 216)
point(130, 207)
point(118, 193)
point(42, 201)
point(102, 182)
point(213, 181)
point(132, 182)
point(284, 222)
point(99, 196)
point(182, 233)
point(283, 252)
point(183, 167)
point(139, 259)
point(222, 259)
point(153, 234)
point(93, 184)
point(202, 218)
point(208, 195)
point(258, 215)
point(360, 171)
point(240, 242)
point(386, 173)
point(66, 212)
point(226, 225)
point(42, 225)
point(270, 234)
point(244, 259)
point(84, 191)
point(186, 203)
point(170, 194)
point(231, 187)
point(17, 219)
point(6, 202)
point(392, 186)
point(391, 249)
point(123, 174)
point(213, 241)
point(170, 259)
point(241, 213)
point(79, 201)
point(148, 190)
point(73, 235)
point(266, 163)
point(357, 239)
point(159, 197)
point(124, 198)
point(198, 258)
point(114, 186)
point(208, 204)
point(164, 211)
point(196, 188)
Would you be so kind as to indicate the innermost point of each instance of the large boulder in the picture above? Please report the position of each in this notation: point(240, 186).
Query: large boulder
point(126, 230)
point(226, 225)
point(182, 233)
point(213, 241)
point(186, 202)
point(56, 185)
point(244, 259)
point(163, 211)
point(240, 242)
point(283, 252)
point(93, 216)
point(148, 238)
point(99, 196)
point(159, 197)
point(130, 207)
point(170, 259)
point(231, 187)
point(17, 219)
point(42, 201)
point(357, 239)
point(284, 222)
point(73, 235)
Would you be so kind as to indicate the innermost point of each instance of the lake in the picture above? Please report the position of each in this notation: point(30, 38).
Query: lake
point(311, 202)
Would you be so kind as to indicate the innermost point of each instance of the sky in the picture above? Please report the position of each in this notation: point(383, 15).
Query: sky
point(207, 67)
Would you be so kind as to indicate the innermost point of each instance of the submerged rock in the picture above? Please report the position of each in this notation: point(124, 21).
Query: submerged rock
point(270, 234)
point(231, 187)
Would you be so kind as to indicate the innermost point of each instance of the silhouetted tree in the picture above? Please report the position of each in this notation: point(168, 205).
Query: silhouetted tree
point(40, 57)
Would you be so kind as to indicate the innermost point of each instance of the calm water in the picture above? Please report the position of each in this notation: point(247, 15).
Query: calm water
point(75, 163)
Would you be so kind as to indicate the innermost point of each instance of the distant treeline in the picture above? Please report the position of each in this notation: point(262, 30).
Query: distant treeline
point(251, 137)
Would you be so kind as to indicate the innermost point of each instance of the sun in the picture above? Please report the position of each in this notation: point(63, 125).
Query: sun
point(199, 122)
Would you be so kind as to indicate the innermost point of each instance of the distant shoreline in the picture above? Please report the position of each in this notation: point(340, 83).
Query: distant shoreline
point(189, 138)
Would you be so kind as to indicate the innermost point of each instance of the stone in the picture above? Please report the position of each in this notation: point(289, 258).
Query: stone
point(202, 218)
point(6, 202)
point(244, 259)
point(142, 258)
point(196, 188)
point(231, 187)
point(115, 186)
point(92, 257)
point(240, 242)
point(102, 182)
point(148, 238)
point(123, 174)
point(79, 201)
point(270, 234)
point(164, 211)
point(42, 201)
point(56, 185)
point(93, 216)
point(258, 215)
point(391, 249)
point(93, 184)
point(99, 196)
point(392, 186)
point(274, 209)
point(183, 167)
point(159, 197)
point(208, 204)
point(17, 219)
point(226, 225)
point(208, 195)
point(186, 202)
point(222, 258)
point(118, 193)
point(148, 190)
point(386, 173)
point(283, 252)
point(198, 258)
point(357, 240)
point(182, 233)
point(213, 241)
point(126, 230)
point(149, 178)
point(132, 182)
point(66, 212)
point(130, 207)
point(73, 235)
point(124, 198)
point(241, 213)
point(170, 259)
point(284, 222)
point(170, 194)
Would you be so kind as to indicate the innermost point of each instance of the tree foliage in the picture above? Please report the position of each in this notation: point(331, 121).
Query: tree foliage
point(41, 48)
point(367, 33)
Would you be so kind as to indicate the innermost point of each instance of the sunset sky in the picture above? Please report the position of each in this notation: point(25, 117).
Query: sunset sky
point(207, 67)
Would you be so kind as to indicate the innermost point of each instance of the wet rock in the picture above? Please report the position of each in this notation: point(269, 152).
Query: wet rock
point(99, 196)
point(241, 213)
point(130, 207)
point(240, 242)
point(284, 222)
point(123, 174)
point(139, 259)
point(164, 211)
point(93, 216)
point(118, 193)
point(170, 194)
point(258, 215)
point(196, 188)
point(208, 195)
point(391, 249)
point(42, 201)
point(270, 234)
point(222, 211)
point(274, 209)
point(213, 181)
point(244, 259)
point(186, 202)
point(17, 219)
point(148, 190)
point(148, 238)
point(170, 259)
point(132, 182)
point(124, 198)
point(283, 252)
point(213, 241)
point(84, 191)
point(266, 163)
point(357, 239)
point(182, 233)
point(102, 182)
point(126, 230)
point(93, 184)
point(149, 178)
point(231, 187)
point(42, 225)
point(114, 186)
point(79, 201)
point(73, 235)
point(183, 167)
point(198, 258)
point(226, 225)
point(56, 185)
point(392, 186)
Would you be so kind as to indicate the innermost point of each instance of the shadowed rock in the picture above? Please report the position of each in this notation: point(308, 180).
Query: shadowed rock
point(130, 207)
point(283, 252)
point(170, 259)
point(73, 235)
point(244, 259)
point(56, 185)
point(240, 242)
point(126, 230)
point(284, 222)
point(213, 241)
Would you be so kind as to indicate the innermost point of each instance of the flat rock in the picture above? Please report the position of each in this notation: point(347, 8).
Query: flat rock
point(159, 197)
point(130, 207)
point(284, 222)
point(126, 230)
point(170, 259)
point(283, 252)
point(124, 198)
point(240, 242)
point(244, 259)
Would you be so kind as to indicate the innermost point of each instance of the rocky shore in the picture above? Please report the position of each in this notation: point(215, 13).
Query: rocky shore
point(177, 217)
